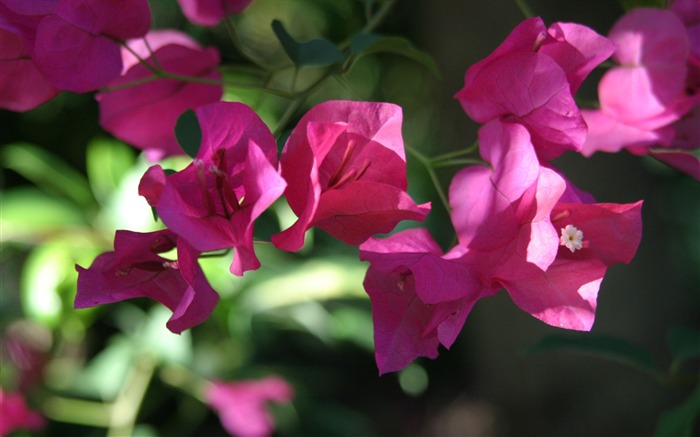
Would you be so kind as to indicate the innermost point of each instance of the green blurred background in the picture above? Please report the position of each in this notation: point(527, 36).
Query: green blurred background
point(305, 316)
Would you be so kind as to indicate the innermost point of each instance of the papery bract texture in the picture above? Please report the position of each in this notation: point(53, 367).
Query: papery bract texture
point(215, 200)
point(242, 405)
point(549, 66)
point(511, 218)
point(211, 12)
point(145, 115)
point(345, 167)
point(420, 299)
point(77, 47)
point(15, 415)
point(136, 269)
point(649, 103)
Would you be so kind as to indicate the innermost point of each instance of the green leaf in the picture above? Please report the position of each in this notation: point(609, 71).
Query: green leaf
point(30, 215)
point(106, 372)
point(684, 344)
point(107, 162)
point(611, 348)
point(316, 52)
point(188, 132)
point(632, 4)
point(368, 44)
point(48, 172)
point(679, 421)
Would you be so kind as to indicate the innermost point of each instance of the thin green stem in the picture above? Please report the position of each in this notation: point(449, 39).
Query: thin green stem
point(379, 17)
point(128, 403)
point(525, 8)
point(433, 176)
point(453, 162)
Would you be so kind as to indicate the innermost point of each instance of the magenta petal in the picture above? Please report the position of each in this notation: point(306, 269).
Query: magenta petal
point(242, 405)
point(577, 49)
point(611, 232)
point(606, 134)
point(145, 115)
point(361, 209)
point(22, 87)
point(73, 59)
point(682, 161)
point(564, 296)
point(404, 327)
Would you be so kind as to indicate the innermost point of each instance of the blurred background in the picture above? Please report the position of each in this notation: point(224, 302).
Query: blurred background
point(67, 186)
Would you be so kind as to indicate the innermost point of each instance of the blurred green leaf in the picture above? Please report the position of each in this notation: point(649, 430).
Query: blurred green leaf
point(684, 344)
point(105, 374)
point(679, 421)
point(30, 215)
point(156, 339)
point(188, 132)
point(316, 52)
point(355, 325)
point(368, 44)
point(611, 348)
point(631, 4)
point(107, 162)
point(48, 172)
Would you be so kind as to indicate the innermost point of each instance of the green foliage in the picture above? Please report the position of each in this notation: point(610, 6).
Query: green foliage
point(316, 52)
point(188, 133)
point(369, 44)
point(631, 4)
point(679, 422)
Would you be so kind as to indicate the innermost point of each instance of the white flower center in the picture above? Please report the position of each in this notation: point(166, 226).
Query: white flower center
point(571, 237)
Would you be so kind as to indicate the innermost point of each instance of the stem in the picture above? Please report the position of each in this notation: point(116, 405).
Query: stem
point(452, 162)
point(433, 176)
point(524, 8)
point(126, 407)
point(379, 17)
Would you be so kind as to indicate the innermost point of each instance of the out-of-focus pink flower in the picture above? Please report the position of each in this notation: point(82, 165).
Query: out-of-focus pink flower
point(15, 415)
point(77, 46)
point(211, 12)
point(145, 115)
point(22, 87)
point(523, 229)
point(420, 298)
point(345, 167)
point(213, 202)
point(648, 104)
point(136, 269)
point(549, 65)
point(242, 405)
point(26, 345)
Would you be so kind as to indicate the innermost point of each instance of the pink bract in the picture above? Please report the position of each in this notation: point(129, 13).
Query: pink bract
point(215, 200)
point(16, 415)
point(550, 66)
point(211, 12)
point(242, 405)
point(145, 115)
point(420, 298)
point(136, 269)
point(75, 47)
point(345, 167)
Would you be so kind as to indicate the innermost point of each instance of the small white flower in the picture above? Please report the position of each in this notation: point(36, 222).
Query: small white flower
point(571, 237)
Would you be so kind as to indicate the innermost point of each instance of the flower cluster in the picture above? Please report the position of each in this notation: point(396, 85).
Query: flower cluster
point(520, 224)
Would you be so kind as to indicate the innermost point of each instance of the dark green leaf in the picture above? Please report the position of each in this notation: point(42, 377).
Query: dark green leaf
point(679, 421)
point(188, 132)
point(367, 44)
point(316, 52)
point(611, 348)
point(684, 344)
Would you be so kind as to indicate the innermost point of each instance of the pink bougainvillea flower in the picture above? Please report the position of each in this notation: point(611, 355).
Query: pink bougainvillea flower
point(346, 172)
point(211, 12)
point(242, 405)
point(420, 298)
point(550, 66)
point(524, 229)
point(77, 46)
point(22, 87)
point(145, 115)
point(15, 415)
point(136, 269)
point(648, 104)
point(215, 200)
